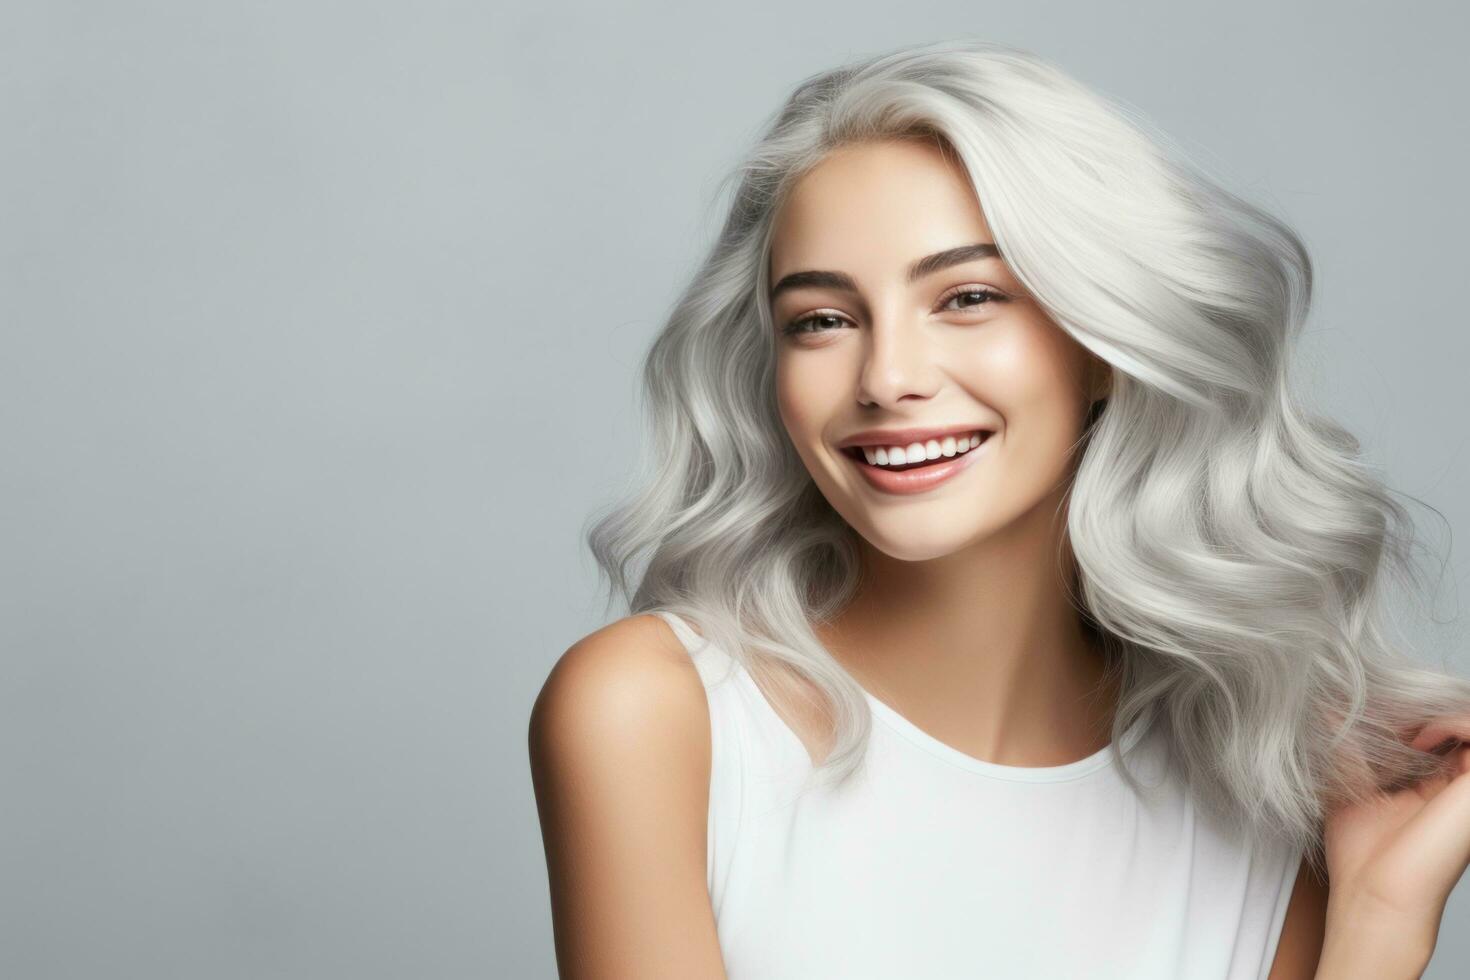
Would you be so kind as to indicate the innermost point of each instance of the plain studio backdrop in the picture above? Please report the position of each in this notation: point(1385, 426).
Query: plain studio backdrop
point(321, 324)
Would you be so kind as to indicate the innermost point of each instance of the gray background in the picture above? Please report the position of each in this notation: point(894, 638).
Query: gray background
point(320, 331)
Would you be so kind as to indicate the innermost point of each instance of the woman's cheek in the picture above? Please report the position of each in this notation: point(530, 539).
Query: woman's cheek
point(801, 398)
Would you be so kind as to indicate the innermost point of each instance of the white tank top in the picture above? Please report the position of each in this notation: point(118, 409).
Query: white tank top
point(935, 864)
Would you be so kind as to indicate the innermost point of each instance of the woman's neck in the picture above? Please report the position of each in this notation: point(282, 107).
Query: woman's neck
point(983, 649)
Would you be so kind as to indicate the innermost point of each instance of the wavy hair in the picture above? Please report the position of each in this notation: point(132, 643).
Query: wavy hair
point(1234, 553)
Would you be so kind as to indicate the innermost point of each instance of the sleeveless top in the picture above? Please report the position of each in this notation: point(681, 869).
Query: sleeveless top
point(935, 864)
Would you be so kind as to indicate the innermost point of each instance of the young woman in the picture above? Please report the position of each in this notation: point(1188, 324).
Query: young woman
point(1003, 612)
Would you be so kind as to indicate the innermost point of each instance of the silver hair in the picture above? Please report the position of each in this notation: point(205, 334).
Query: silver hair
point(1233, 551)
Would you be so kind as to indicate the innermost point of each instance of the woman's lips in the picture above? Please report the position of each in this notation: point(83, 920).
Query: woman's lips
point(919, 478)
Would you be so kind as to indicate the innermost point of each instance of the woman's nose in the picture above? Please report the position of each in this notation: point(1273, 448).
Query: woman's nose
point(897, 361)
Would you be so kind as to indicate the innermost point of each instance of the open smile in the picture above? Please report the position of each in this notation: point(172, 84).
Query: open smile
point(918, 476)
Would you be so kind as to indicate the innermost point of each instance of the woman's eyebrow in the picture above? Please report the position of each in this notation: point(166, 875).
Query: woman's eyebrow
point(927, 265)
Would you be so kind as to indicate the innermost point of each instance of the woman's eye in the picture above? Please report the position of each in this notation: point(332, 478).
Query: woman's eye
point(817, 320)
point(981, 295)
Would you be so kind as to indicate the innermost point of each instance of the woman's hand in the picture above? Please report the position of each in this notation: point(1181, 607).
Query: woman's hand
point(1394, 860)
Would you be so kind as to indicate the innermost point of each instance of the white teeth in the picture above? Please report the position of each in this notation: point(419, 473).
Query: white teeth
point(916, 451)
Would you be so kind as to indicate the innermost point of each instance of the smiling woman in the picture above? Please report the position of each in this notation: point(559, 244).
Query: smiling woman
point(951, 339)
point(1002, 612)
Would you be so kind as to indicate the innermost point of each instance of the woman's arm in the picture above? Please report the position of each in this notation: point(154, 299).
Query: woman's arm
point(1321, 941)
point(1299, 949)
point(1364, 945)
point(1393, 859)
point(620, 759)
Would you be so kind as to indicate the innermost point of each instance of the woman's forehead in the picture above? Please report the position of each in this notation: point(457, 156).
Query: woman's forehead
point(875, 206)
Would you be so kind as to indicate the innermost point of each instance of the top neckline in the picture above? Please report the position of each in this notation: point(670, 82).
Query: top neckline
point(921, 739)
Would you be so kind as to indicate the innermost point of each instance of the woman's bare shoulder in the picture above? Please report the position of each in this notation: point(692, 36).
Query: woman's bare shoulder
point(620, 760)
point(630, 680)
point(619, 672)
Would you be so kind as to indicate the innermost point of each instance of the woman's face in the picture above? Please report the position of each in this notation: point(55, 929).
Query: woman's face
point(954, 346)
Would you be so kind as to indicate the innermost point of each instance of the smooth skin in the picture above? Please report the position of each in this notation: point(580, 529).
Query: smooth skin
point(620, 760)
point(963, 622)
